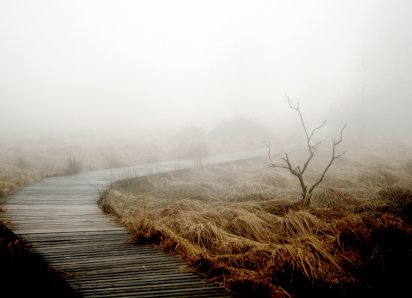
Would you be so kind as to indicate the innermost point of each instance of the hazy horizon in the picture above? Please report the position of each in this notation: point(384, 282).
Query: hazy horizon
point(142, 66)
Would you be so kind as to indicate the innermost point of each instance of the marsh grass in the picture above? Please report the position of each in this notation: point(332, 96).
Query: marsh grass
point(27, 159)
point(113, 159)
point(241, 225)
point(74, 165)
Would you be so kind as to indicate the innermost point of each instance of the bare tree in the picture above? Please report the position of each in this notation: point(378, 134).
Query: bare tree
point(298, 171)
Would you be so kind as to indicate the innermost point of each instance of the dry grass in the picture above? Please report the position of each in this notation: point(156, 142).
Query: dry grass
point(23, 160)
point(240, 225)
point(29, 158)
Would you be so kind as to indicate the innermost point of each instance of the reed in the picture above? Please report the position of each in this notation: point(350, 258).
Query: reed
point(241, 225)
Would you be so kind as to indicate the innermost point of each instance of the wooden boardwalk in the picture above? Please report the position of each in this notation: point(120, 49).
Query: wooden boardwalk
point(59, 217)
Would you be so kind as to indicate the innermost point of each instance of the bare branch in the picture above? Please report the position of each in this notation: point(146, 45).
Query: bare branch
point(289, 164)
point(268, 144)
point(296, 173)
point(313, 132)
point(306, 194)
point(278, 166)
point(307, 162)
point(271, 164)
point(292, 106)
point(331, 160)
point(341, 132)
point(308, 138)
point(315, 147)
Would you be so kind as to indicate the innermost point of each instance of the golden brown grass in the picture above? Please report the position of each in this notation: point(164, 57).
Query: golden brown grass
point(27, 159)
point(241, 225)
point(24, 159)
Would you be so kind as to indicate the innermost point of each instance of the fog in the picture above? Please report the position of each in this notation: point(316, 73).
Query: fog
point(140, 66)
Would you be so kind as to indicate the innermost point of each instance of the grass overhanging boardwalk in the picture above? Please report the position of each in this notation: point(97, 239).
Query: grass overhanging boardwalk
point(59, 217)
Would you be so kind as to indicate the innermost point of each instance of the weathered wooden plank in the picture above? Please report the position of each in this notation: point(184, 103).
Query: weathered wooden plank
point(104, 278)
point(59, 217)
point(172, 291)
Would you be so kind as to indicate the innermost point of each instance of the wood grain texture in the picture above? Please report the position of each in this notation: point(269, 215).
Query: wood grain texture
point(59, 217)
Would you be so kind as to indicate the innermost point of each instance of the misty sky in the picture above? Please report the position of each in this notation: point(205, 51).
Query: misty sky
point(130, 65)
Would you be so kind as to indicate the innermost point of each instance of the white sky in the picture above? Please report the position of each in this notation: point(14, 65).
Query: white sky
point(163, 64)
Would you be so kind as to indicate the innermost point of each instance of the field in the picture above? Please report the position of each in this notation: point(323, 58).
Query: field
point(241, 224)
point(25, 159)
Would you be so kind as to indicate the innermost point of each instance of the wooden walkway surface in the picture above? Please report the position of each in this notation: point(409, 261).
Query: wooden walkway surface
point(59, 217)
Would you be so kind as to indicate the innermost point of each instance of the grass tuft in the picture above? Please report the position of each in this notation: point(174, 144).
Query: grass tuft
point(241, 226)
point(74, 165)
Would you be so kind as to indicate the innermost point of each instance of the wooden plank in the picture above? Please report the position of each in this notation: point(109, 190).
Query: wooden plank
point(59, 217)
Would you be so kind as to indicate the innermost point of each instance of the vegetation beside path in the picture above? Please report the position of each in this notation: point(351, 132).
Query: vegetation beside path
point(241, 225)
point(29, 158)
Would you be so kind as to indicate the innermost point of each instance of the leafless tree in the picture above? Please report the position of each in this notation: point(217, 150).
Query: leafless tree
point(298, 171)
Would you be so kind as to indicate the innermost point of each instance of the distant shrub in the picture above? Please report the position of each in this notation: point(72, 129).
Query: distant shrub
point(73, 165)
point(189, 144)
point(6, 188)
point(239, 127)
point(22, 163)
point(113, 159)
point(190, 133)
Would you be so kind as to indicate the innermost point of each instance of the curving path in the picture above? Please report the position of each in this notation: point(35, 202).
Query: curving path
point(59, 217)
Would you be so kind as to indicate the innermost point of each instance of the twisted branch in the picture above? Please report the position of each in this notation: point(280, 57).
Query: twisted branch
point(306, 194)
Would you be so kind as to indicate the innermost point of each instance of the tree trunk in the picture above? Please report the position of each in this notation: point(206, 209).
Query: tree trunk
point(306, 198)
